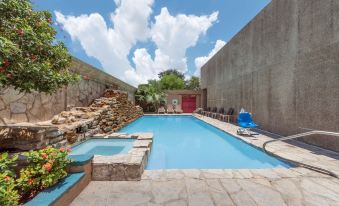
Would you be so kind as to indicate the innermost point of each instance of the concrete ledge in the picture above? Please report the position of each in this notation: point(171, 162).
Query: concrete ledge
point(63, 193)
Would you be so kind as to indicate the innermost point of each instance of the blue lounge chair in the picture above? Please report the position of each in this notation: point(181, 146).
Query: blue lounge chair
point(246, 122)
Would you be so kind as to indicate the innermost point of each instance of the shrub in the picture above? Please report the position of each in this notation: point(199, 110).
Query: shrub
point(46, 167)
point(30, 56)
point(8, 193)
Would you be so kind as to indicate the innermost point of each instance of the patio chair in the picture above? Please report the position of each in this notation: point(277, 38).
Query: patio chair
point(206, 111)
point(227, 116)
point(220, 112)
point(246, 123)
point(199, 111)
point(161, 110)
point(213, 112)
point(170, 109)
point(178, 109)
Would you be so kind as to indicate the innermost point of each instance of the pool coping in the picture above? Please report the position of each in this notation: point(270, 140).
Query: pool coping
point(120, 167)
point(292, 151)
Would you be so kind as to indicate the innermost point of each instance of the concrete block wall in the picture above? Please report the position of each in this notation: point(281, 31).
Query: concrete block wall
point(284, 68)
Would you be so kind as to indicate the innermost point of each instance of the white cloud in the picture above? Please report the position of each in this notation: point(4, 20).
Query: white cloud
point(200, 61)
point(172, 35)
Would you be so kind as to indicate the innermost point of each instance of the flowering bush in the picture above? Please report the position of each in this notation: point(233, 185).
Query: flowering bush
point(30, 56)
point(46, 167)
point(8, 194)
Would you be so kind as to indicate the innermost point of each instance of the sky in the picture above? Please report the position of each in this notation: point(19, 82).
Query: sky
point(134, 40)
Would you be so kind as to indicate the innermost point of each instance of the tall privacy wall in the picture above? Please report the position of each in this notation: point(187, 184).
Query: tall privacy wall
point(284, 68)
point(20, 107)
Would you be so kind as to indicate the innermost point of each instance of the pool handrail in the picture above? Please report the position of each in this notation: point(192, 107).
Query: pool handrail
point(304, 134)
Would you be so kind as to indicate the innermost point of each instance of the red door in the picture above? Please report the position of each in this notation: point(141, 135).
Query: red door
point(188, 104)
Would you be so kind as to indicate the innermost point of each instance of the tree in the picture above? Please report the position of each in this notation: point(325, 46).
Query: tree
point(30, 57)
point(171, 71)
point(150, 96)
point(193, 83)
point(172, 82)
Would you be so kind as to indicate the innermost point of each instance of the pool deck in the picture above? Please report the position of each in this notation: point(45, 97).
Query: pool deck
point(279, 186)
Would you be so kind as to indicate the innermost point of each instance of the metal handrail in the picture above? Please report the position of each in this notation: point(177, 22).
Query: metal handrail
point(304, 134)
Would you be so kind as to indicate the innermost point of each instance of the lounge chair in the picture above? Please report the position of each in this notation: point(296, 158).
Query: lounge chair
point(213, 112)
point(220, 112)
point(206, 111)
point(161, 110)
point(246, 123)
point(178, 109)
point(170, 109)
point(199, 111)
point(227, 116)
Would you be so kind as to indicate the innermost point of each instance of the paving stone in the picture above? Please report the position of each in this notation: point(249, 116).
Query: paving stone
point(165, 191)
point(245, 173)
point(195, 185)
point(174, 174)
point(262, 195)
point(153, 175)
point(216, 173)
point(200, 199)
point(289, 191)
point(265, 173)
point(221, 199)
point(242, 198)
point(177, 203)
point(230, 185)
point(192, 173)
point(130, 198)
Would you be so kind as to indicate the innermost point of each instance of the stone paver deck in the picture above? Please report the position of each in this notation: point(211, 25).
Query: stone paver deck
point(273, 187)
point(278, 186)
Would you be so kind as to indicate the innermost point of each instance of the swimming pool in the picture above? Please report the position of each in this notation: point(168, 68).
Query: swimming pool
point(104, 147)
point(185, 142)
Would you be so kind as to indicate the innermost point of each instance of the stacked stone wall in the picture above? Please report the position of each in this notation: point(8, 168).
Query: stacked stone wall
point(105, 115)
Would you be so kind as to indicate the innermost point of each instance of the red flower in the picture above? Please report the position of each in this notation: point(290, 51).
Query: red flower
point(6, 63)
point(33, 58)
point(9, 76)
point(62, 150)
point(20, 32)
point(47, 166)
point(30, 182)
point(85, 77)
point(2, 70)
point(44, 155)
point(7, 178)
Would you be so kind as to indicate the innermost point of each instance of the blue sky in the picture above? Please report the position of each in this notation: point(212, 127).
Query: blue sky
point(185, 34)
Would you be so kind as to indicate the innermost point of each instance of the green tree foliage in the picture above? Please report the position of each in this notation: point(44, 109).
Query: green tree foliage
point(150, 96)
point(193, 83)
point(30, 57)
point(172, 82)
point(171, 71)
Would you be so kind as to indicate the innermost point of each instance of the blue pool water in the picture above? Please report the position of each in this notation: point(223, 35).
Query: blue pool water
point(104, 147)
point(185, 142)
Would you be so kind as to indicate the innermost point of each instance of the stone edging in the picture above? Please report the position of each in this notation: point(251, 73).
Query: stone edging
point(121, 167)
point(299, 152)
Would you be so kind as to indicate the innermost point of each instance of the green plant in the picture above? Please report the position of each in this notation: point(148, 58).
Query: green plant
point(46, 167)
point(172, 82)
point(150, 96)
point(8, 193)
point(30, 56)
point(193, 83)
